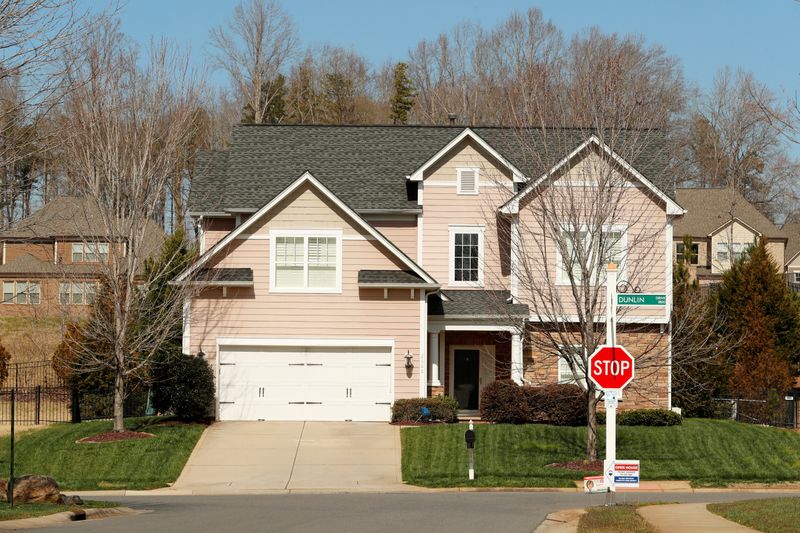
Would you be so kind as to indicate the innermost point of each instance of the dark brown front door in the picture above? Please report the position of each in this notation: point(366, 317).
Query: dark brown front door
point(466, 374)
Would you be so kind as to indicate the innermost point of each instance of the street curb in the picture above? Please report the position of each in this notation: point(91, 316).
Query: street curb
point(66, 517)
point(564, 521)
point(407, 489)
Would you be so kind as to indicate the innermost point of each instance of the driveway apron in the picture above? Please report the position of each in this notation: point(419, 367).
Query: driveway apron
point(279, 456)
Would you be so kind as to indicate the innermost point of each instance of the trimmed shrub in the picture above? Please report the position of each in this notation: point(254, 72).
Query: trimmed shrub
point(183, 385)
point(442, 408)
point(649, 417)
point(557, 404)
point(505, 402)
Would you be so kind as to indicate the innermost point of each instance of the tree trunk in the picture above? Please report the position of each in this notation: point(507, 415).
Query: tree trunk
point(119, 394)
point(591, 425)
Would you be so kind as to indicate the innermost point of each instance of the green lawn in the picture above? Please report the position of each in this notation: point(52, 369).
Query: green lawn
point(133, 464)
point(778, 515)
point(705, 452)
point(617, 519)
point(30, 510)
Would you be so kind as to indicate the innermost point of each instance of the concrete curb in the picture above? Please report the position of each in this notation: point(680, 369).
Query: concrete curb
point(565, 521)
point(66, 517)
point(404, 489)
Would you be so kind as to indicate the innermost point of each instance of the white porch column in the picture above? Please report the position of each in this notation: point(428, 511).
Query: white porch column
point(433, 355)
point(516, 358)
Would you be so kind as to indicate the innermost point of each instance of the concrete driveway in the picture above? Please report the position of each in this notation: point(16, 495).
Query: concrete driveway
point(281, 456)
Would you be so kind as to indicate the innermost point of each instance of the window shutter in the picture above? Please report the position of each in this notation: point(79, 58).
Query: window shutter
point(469, 181)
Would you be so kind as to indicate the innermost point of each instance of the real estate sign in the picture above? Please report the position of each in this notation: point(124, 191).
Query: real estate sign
point(592, 484)
point(626, 474)
point(640, 299)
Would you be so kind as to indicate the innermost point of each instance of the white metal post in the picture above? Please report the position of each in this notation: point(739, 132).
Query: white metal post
point(471, 457)
point(611, 395)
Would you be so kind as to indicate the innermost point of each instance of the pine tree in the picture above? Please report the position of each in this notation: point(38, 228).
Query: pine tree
point(764, 316)
point(404, 93)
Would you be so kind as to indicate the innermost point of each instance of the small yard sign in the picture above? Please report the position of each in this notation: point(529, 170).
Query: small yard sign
point(592, 484)
point(642, 299)
point(626, 474)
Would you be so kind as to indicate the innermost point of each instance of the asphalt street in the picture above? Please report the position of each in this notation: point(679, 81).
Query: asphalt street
point(331, 513)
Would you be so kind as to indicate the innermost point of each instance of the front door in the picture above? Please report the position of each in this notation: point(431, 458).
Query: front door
point(466, 378)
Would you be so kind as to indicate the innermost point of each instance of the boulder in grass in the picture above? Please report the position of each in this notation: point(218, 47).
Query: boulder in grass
point(37, 489)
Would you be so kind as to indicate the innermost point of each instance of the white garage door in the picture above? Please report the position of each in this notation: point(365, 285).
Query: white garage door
point(314, 383)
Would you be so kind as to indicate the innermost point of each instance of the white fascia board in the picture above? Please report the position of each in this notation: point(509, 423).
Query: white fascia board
point(672, 207)
point(221, 283)
point(516, 173)
point(738, 220)
point(307, 177)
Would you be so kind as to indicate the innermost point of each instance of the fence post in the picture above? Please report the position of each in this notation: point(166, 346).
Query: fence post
point(76, 406)
point(16, 375)
point(38, 403)
point(11, 467)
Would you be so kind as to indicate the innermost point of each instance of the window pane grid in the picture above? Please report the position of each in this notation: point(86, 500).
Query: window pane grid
point(465, 257)
point(305, 262)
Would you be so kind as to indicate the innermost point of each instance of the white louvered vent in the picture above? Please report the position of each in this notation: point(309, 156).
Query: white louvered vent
point(468, 181)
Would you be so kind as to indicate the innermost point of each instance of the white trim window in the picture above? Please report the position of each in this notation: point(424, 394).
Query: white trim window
point(466, 256)
point(22, 292)
point(467, 180)
point(680, 256)
point(797, 277)
point(77, 293)
point(579, 247)
point(308, 261)
point(565, 373)
point(90, 252)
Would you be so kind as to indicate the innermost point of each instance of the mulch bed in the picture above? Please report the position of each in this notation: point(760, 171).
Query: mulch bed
point(582, 466)
point(114, 436)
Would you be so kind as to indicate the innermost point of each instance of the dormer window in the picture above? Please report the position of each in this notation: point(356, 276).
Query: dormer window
point(467, 181)
point(90, 252)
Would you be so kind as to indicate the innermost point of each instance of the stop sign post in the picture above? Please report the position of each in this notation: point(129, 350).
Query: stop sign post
point(611, 368)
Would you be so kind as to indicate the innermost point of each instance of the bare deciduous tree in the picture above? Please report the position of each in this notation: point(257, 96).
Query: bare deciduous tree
point(130, 119)
point(254, 47)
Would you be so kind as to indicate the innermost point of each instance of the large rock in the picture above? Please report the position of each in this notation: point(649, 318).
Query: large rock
point(36, 489)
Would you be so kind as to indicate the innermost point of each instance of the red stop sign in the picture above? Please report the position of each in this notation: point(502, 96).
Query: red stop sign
point(611, 367)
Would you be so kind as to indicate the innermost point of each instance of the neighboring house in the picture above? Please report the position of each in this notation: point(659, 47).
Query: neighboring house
point(722, 225)
point(345, 267)
point(51, 260)
point(792, 256)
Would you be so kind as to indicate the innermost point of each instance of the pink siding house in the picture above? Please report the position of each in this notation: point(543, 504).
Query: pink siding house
point(345, 267)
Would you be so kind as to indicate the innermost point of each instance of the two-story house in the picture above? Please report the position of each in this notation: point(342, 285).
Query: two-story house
point(51, 261)
point(345, 267)
point(792, 255)
point(722, 225)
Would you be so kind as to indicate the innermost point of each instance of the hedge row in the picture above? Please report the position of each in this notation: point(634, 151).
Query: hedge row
point(505, 402)
point(442, 408)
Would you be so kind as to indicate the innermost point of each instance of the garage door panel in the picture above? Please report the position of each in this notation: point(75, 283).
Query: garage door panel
point(314, 383)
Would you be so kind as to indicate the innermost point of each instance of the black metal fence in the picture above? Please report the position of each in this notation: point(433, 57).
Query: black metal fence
point(778, 412)
point(32, 374)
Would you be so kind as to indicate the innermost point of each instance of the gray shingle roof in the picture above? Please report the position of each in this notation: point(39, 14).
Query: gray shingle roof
point(366, 166)
point(708, 209)
point(28, 265)
point(225, 275)
point(376, 277)
point(475, 303)
point(792, 231)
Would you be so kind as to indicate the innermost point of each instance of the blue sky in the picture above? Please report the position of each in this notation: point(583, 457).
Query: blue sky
point(757, 35)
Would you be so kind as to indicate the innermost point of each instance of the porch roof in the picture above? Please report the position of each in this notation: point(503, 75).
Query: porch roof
point(475, 303)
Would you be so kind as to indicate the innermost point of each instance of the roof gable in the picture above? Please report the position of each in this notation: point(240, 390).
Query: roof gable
point(419, 173)
point(512, 206)
point(306, 178)
point(709, 210)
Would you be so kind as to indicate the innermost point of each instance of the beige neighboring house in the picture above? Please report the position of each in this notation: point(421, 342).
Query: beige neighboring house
point(51, 261)
point(722, 225)
point(346, 267)
point(792, 259)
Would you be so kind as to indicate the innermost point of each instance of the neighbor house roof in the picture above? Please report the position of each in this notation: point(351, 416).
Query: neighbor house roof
point(471, 303)
point(27, 264)
point(367, 166)
point(710, 209)
point(792, 232)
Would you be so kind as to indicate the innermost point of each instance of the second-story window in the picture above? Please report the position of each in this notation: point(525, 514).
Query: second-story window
point(90, 252)
point(305, 263)
point(466, 249)
point(582, 249)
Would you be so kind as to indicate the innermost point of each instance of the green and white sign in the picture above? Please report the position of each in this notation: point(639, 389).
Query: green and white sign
point(642, 299)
